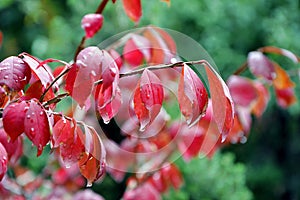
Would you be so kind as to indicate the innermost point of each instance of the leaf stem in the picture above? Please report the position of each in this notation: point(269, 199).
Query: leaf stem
point(241, 69)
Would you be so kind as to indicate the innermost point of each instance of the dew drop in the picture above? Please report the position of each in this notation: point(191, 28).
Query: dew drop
point(106, 121)
point(67, 166)
point(25, 109)
point(32, 129)
point(93, 73)
point(16, 81)
point(32, 113)
point(41, 113)
point(5, 77)
point(89, 184)
point(28, 116)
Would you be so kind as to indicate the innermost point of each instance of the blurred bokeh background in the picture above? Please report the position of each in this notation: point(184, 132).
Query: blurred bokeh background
point(268, 165)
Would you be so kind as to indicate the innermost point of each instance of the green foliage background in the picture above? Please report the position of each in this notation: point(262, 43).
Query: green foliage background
point(228, 30)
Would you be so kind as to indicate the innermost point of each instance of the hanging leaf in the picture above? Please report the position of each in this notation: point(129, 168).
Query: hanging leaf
point(40, 71)
point(222, 104)
point(192, 96)
point(133, 9)
point(36, 125)
point(3, 96)
point(148, 98)
point(35, 90)
point(91, 23)
point(136, 50)
point(68, 137)
point(242, 90)
point(261, 66)
point(92, 164)
point(89, 62)
point(13, 119)
point(14, 73)
point(3, 162)
point(109, 110)
point(280, 51)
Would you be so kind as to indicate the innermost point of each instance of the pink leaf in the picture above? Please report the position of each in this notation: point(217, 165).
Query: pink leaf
point(89, 62)
point(117, 58)
point(148, 98)
point(3, 161)
point(91, 23)
point(222, 104)
point(36, 125)
point(41, 72)
point(260, 65)
point(242, 90)
point(13, 119)
point(87, 194)
point(192, 96)
point(14, 73)
point(133, 9)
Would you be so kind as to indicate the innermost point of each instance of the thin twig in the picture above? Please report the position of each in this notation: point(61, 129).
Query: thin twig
point(241, 69)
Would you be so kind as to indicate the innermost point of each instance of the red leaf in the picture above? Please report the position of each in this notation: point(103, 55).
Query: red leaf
point(36, 125)
point(136, 49)
point(1, 38)
point(260, 65)
point(14, 149)
point(13, 119)
point(41, 72)
point(35, 90)
point(89, 62)
point(3, 161)
point(285, 97)
point(163, 47)
point(133, 9)
point(14, 73)
point(172, 175)
point(109, 110)
point(91, 23)
point(242, 90)
point(68, 137)
point(3, 96)
point(192, 96)
point(222, 104)
point(148, 98)
point(92, 164)
point(70, 78)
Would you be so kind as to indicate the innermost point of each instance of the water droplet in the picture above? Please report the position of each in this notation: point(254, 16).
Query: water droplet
point(32, 113)
point(25, 109)
point(67, 166)
point(16, 81)
point(93, 73)
point(106, 121)
point(28, 116)
point(223, 138)
point(5, 77)
point(89, 184)
point(32, 129)
point(41, 113)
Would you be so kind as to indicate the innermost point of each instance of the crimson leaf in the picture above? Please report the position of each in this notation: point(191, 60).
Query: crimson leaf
point(14, 73)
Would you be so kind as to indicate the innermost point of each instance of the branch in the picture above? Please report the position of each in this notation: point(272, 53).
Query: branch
point(82, 42)
point(158, 67)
